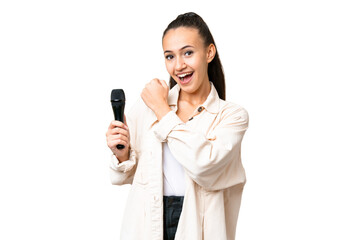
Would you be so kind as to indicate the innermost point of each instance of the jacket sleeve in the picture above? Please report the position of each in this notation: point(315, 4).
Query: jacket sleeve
point(214, 160)
point(123, 173)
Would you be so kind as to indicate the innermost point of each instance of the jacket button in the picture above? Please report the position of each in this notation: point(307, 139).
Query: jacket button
point(200, 109)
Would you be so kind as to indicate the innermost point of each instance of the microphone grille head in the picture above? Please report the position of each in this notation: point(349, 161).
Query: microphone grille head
point(117, 95)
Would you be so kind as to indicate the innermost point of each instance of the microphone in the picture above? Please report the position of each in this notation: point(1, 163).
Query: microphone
point(118, 105)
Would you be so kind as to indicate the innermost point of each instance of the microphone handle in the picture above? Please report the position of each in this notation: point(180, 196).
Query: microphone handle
point(119, 116)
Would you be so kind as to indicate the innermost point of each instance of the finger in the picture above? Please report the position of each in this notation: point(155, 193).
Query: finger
point(117, 137)
point(119, 124)
point(157, 82)
point(114, 143)
point(118, 131)
point(163, 83)
point(125, 120)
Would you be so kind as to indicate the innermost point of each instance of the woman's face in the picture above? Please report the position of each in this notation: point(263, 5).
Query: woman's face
point(186, 57)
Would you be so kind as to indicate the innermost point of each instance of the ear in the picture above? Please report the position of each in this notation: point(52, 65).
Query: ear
point(211, 51)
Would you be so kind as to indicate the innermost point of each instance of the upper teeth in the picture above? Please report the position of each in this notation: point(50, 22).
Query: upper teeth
point(183, 75)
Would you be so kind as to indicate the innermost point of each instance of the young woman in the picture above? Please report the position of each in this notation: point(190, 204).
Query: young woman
point(182, 150)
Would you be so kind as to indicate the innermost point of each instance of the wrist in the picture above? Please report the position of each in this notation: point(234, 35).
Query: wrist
point(161, 112)
point(124, 157)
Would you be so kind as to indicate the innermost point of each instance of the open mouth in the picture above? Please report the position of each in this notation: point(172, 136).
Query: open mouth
point(186, 77)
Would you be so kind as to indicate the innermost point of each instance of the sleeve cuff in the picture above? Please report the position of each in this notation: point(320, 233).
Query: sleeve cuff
point(166, 125)
point(125, 166)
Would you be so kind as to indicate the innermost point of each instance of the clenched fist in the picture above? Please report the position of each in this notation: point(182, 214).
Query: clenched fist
point(155, 96)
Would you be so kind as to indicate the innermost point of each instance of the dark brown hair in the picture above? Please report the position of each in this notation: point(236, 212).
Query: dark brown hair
point(215, 70)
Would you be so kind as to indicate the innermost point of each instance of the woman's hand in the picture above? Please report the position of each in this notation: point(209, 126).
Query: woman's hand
point(118, 133)
point(155, 95)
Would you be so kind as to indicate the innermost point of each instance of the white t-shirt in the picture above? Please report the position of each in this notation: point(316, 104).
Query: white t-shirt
point(173, 174)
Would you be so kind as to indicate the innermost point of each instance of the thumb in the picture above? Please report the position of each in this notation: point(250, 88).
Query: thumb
point(163, 83)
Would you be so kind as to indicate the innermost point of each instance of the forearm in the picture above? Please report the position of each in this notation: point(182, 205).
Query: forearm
point(211, 159)
point(162, 111)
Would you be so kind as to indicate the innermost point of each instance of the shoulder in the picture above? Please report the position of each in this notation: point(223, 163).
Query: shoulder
point(233, 110)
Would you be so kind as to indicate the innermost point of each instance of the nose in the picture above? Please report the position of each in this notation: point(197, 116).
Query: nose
point(180, 64)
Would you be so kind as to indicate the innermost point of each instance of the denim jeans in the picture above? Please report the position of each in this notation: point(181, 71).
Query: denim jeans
point(172, 211)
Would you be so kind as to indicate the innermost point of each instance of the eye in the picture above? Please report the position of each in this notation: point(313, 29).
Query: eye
point(169, 57)
point(188, 53)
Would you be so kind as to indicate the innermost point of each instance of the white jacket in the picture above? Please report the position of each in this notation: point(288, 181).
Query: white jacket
point(209, 149)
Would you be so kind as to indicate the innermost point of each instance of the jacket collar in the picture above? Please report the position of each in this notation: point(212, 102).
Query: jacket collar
point(211, 103)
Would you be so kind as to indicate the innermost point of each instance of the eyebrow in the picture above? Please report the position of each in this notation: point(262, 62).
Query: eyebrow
point(180, 48)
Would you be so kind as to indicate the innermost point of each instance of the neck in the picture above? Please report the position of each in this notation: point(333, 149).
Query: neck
point(198, 97)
